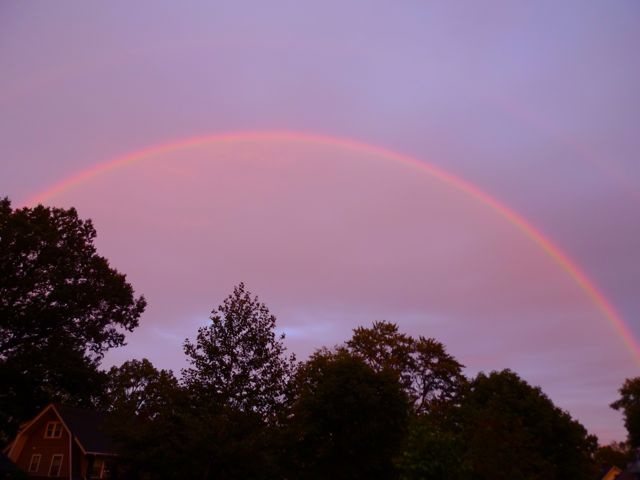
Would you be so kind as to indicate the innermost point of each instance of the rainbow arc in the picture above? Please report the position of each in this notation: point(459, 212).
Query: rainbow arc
point(519, 222)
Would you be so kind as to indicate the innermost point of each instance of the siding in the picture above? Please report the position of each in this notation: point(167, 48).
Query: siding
point(47, 447)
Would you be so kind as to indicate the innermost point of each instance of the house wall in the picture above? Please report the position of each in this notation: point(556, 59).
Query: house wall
point(78, 460)
point(35, 442)
point(612, 473)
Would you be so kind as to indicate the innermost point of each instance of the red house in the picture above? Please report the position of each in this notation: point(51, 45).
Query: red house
point(64, 442)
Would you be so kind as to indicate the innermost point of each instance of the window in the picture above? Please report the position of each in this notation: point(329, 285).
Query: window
point(34, 464)
point(56, 466)
point(54, 430)
point(96, 469)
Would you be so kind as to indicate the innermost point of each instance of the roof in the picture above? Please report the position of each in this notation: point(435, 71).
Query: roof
point(89, 428)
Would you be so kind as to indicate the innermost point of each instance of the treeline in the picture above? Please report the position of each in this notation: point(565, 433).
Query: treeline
point(381, 405)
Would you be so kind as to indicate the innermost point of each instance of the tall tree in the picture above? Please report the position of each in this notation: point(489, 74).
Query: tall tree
point(147, 422)
point(62, 306)
point(433, 449)
point(429, 375)
point(54, 286)
point(513, 430)
point(137, 388)
point(348, 421)
point(629, 403)
point(238, 383)
point(238, 360)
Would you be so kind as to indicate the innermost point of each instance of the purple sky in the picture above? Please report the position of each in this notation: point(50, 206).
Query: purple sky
point(536, 104)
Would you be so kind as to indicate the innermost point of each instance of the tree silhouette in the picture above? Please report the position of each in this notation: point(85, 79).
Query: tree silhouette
point(61, 308)
point(238, 360)
point(513, 430)
point(629, 403)
point(237, 384)
point(429, 375)
point(348, 421)
point(138, 388)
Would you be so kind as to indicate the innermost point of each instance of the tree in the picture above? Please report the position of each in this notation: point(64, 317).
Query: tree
point(137, 388)
point(238, 361)
point(238, 384)
point(513, 430)
point(348, 421)
point(55, 286)
point(629, 403)
point(432, 450)
point(147, 410)
point(429, 375)
point(383, 347)
point(48, 373)
point(61, 308)
point(615, 454)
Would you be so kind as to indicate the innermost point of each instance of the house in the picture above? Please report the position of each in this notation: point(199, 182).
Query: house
point(64, 442)
point(632, 472)
point(611, 474)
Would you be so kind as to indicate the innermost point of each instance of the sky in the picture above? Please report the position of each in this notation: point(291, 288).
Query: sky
point(321, 128)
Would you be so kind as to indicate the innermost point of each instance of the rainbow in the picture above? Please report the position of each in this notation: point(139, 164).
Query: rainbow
point(519, 222)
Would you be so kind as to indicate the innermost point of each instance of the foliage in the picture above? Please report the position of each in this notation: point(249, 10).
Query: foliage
point(433, 450)
point(165, 433)
point(430, 376)
point(238, 385)
point(33, 379)
point(629, 403)
point(155, 443)
point(512, 430)
point(137, 388)
point(614, 454)
point(55, 286)
point(348, 420)
point(238, 361)
point(384, 405)
point(61, 308)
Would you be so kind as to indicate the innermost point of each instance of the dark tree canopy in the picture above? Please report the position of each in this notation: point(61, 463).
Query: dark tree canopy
point(432, 450)
point(138, 388)
point(384, 405)
point(629, 403)
point(513, 430)
point(54, 286)
point(429, 375)
point(238, 361)
point(61, 308)
point(147, 422)
point(616, 454)
point(348, 420)
point(237, 385)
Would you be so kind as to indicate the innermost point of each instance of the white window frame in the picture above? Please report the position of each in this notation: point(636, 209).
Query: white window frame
point(53, 457)
point(56, 430)
point(31, 462)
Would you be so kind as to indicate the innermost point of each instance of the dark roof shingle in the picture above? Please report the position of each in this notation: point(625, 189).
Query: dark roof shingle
point(89, 427)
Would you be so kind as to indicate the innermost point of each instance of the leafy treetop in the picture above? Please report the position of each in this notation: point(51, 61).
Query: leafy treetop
point(55, 288)
point(629, 403)
point(61, 308)
point(429, 375)
point(238, 361)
